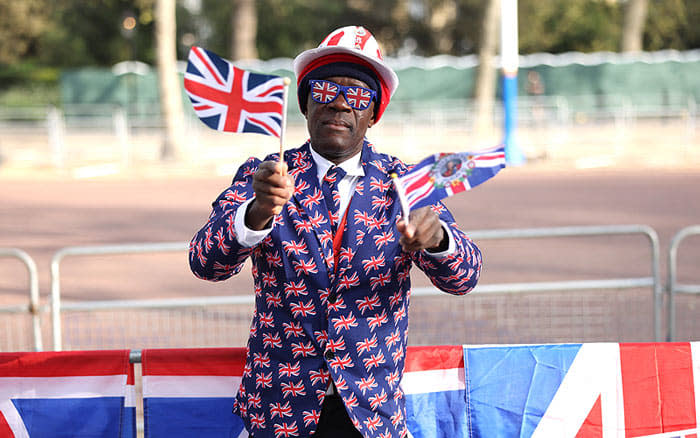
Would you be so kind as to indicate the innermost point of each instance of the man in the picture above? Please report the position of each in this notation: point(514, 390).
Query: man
point(331, 258)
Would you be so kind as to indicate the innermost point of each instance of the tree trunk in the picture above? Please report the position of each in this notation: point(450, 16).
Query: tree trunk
point(485, 91)
point(244, 27)
point(168, 79)
point(633, 28)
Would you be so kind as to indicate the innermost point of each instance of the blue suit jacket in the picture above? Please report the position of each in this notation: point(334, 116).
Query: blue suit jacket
point(314, 320)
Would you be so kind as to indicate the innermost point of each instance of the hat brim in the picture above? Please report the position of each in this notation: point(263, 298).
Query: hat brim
point(386, 74)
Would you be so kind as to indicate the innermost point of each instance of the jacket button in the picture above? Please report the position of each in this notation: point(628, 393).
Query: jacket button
point(329, 355)
point(332, 298)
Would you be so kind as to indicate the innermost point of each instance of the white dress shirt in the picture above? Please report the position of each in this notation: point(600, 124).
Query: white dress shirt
point(346, 187)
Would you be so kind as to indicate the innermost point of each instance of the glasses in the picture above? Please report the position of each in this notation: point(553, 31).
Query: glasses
point(358, 98)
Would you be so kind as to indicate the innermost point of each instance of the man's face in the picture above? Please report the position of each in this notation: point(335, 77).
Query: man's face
point(336, 129)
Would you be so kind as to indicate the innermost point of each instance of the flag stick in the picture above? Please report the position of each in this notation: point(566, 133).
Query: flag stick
point(402, 197)
point(286, 81)
point(285, 92)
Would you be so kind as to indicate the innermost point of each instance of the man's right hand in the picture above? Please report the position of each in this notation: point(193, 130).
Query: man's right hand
point(273, 187)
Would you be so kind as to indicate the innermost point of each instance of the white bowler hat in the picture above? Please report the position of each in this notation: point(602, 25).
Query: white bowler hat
point(357, 42)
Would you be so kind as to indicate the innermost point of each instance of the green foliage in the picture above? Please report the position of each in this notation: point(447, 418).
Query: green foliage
point(41, 36)
point(558, 26)
point(672, 24)
point(68, 33)
point(21, 22)
point(31, 94)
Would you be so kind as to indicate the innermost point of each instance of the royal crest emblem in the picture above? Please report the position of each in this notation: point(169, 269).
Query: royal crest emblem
point(451, 167)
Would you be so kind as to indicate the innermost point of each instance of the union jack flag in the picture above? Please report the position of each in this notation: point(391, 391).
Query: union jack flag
point(230, 99)
point(443, 175)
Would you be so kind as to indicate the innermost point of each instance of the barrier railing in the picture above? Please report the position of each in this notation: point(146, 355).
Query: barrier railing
point(93, 250)
point(616, 283)
point(672, 286)
point(33, 306)
point(621, 283)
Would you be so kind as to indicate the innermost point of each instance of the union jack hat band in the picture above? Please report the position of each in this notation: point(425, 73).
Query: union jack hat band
point(347, 69)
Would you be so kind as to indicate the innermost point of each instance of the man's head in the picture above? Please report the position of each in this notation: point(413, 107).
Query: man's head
point(339, 113)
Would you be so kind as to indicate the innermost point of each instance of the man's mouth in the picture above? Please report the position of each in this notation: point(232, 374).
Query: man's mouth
point(337, 124)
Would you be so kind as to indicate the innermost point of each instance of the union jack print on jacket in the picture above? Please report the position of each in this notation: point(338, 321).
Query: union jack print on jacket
point(313, 320)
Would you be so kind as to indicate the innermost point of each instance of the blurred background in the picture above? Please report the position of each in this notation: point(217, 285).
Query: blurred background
point(99, 146)
point(81, 83)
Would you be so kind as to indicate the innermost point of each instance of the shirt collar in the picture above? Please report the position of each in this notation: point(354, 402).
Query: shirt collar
point(352, 166)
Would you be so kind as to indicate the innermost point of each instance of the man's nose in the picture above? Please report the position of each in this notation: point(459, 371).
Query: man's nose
point(340, 103)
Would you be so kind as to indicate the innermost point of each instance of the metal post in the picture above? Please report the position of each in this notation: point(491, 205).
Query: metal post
point(136, 248)
point(56, 129)
point(530, 233)
point(509, 62)
point(672, 277)
point(33, 307)
point(121, 128)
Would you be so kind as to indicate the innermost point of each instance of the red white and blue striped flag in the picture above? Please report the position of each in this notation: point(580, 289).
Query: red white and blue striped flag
point(227, 98)
point(67, 394)
point(443, 175)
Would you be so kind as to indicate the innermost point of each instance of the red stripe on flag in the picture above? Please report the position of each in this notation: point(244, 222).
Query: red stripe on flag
point(130, 378)
point(193, 362)
point(215, 74)
point(592, 426)
point(434, 358)
point(419, 182)
point(417, 196)
point(272, 90)
point(657, 384)
point(267, 127)
point(64, 363)
point(5, 430)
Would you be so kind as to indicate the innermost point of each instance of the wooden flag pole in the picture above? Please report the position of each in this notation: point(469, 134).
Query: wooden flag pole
point(285, 93)
point(286, 81)
point(402, 197)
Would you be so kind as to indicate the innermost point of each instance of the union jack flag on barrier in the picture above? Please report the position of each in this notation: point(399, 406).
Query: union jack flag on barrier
point(443, 175)
point(227, 98)
point(596, 390)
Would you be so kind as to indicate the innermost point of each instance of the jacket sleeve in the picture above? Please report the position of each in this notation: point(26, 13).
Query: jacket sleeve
point(214, 252)
point(458, 272)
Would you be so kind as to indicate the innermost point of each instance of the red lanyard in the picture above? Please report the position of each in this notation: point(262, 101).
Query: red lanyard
point(338, 239)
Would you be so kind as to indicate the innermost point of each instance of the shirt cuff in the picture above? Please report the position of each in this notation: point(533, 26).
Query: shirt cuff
point(451, 246)
point(245, 236)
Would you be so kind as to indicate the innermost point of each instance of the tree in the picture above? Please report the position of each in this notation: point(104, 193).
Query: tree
point(169, 83)
point(558, 26)
point(633, 27)
point(21, 22)
point(244, 29)
point(486, 74)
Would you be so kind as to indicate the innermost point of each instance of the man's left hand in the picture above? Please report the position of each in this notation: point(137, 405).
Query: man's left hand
point(423, 231)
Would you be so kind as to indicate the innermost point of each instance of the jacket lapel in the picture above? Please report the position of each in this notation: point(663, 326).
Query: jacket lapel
point(363, 222)
point(308, 199)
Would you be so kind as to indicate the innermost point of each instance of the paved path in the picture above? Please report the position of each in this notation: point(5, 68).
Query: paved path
point(43, 215)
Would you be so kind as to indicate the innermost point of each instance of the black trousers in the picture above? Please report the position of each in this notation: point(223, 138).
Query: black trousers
point(334, 421)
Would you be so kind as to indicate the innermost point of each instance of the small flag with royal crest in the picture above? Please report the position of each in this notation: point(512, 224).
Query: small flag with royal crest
point(442, 175)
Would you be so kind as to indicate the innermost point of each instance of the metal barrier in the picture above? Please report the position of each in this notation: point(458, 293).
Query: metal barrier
point(621, 283)
point(672, 287)
point(33, 306)
point(93, 250)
